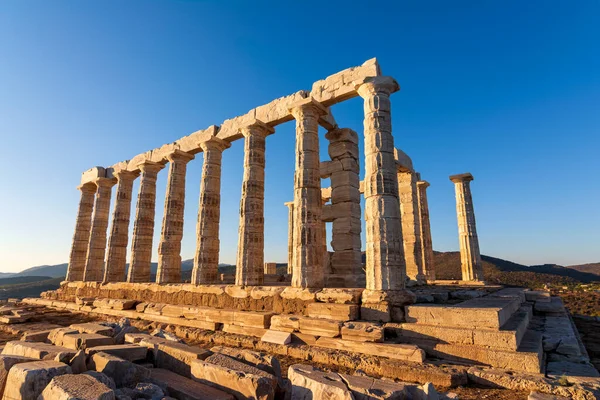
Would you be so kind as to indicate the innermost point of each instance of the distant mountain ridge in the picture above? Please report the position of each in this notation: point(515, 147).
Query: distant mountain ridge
point(447, 265)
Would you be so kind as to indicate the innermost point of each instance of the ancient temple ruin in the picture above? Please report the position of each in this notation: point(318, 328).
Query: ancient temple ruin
point(391, 310)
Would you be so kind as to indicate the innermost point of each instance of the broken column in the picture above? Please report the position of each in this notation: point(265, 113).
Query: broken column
point(251, 242)
point(81, 237)
point(411, 227)
point(343, 169)
point(385, 268)
point(169, 248)
point(143, 226)
point(426, 244)
point(94, 266)
point(116, 257)
point(290, 206)
point(470, 258)
point(307, 270)
point(206, 261)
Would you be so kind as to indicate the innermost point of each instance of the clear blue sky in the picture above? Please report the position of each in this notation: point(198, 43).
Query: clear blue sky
point(507, 90)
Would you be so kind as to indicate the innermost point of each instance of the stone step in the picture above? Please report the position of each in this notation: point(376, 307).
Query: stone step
point(528, 357)
point(404, 352)
point(183, 388)
point(483, 312)
point(506, 338)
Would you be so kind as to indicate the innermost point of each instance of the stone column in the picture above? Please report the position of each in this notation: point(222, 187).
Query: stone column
point(426, 244)
point(385, 269)
point(169, 248)
point(206, 261)
point(94, 265)
point(470, 258)
point(411, 226)
point(249, 269)
point(290, 206)
point(307, 270)
point(81, 237)
point(116, 257)
point(143, 226)
point(346, 265)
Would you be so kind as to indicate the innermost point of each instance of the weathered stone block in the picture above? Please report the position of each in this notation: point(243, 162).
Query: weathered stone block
point(244, 330)
point(184, 388)
point(339, 296)
point(178, 357)
point(320, 327)
point(311, 383)
point(28, 380)
point(93, 328)
point(85, 340)
point(37, 350)
point(405, 352)
point(285, 323)
point(234, 377)
point(362, 332)
point(338, 312)
point(80, 387)
point(129, 352)
point(6, 363)
point(277, 337)
point(123, 372)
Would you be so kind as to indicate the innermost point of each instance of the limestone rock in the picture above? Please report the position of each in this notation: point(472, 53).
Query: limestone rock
point(102, 378)
point(78, 362)
point(6, 362)
point(184, 388)
point(543, 396)
point(277, 337)
point(28, 380)
point(177, 357)
point(362, 331)
point(38, 336)
point(260, 360)
point(129, 352)
point(55, 335)
point(85, 340)
point(37, 350)
point(231, 376)
point(150, 391)
point(338, 312)
point(367, 388)
point(319, 327)
point(123, 372)
point(339, 296)
point(80, 387)
point(309, 383)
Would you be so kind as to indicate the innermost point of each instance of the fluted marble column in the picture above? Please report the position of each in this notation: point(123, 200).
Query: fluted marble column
point(470, 258)
point(116, 257)
point(307, 271)
point(249, 269)
point(290, 206)
point(94, 265)
point(81, 237)
point(426, 244)
point(206, 261)
point(143, 226)
point(169, 248)
point(411, 225)
point(385, 268)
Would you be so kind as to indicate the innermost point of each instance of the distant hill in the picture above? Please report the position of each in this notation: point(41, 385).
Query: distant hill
point(16, 280)
point(593, 268)
point(53, 271)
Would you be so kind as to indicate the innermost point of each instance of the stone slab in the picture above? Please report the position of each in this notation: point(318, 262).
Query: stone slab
point(362, 331)
point(37, 350)
point(231, 377)
point(84, 340)
point(260, 360)
point(277, 337)
point(337, 312)
point(339, 296)
point(178, 357)
point(55, 335)
point(285, 322)
point(182, 388)
point(90, 327)
point(364, 387)
point(129, 352)
point(475, 313)
point(320, 327)
point(404, 352)
point(6, 363)
point(36, 336)
point(244, 330)
point(311, 383)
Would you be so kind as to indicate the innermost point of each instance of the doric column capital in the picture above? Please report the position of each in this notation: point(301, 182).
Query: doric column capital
point(125, 175)
point(423, 184)
point(289, 204)
point(150, 166)
point(257, 127)
point(178, 155)
point(214, 143)
point(342, 135)
point(88, 187)
point(105, 182)
point(466, 177)
point(307, 105)
point(372, 86)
